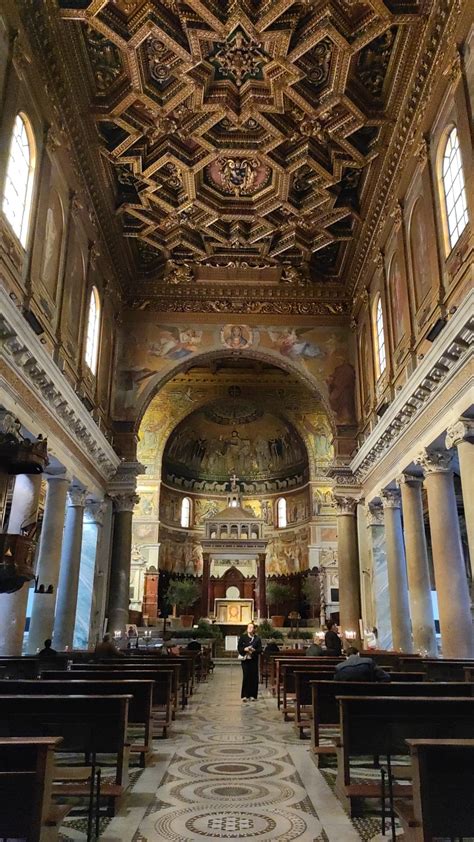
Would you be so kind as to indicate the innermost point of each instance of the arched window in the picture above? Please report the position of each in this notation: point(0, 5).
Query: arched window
point(93, 331)
point(454, 190)
point(18, 190)
point(380, 355)
point(186, 513)
point(281, 513)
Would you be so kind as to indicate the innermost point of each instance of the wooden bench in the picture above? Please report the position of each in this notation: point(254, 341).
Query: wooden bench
point(26, 778)
point(379, 726)
point(287, 665)
point(139, 711)
point(325, 707)
point(89, 725)
point(438, 669)
point(179, 668)
point(303, 680)
point(30, 666)
point(165, 688)
point(469, 674)
point(289, 684)
point(443, 787)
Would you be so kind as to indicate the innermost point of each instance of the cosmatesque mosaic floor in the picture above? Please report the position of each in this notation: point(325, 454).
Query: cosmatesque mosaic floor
point(231, 771)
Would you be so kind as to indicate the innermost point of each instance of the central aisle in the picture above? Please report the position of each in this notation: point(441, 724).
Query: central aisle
point(231, 771)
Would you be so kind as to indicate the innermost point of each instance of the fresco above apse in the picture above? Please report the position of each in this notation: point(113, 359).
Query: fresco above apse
point(149, 351)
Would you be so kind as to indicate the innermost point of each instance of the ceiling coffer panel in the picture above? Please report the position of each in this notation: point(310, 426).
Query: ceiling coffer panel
point(241, 129)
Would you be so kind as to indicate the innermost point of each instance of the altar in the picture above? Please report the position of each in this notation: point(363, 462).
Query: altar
point(233, 612)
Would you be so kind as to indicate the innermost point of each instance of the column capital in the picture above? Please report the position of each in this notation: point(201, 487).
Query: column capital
point(374, 512)
point(125, 479)
point(76, 496)
point(95, 511)
point(462, 430)
point(435, 461)
point(64, 476)
point(345, 505)
point(390, 498)
point(412, 480)
point(125, 502)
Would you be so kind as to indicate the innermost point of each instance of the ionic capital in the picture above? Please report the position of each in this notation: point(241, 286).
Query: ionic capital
point(76, 497)
point(391, 498)
point(345, 505)
point(435, 461)
point(462, 430)
point(125, 502)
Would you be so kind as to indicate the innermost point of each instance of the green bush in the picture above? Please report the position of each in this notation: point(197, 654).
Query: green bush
point(278, 594)
point(300, 635)
point(206, 629)
point(265, 630)
point(183, 593)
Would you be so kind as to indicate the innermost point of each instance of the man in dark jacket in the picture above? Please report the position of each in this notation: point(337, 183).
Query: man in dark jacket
point(355, 668)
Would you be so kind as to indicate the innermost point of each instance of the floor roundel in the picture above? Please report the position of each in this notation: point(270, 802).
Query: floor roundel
point(192, 825)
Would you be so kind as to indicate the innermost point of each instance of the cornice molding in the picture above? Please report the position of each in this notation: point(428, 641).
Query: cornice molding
point(452, 349)
point(248, 300)
point(24, 354)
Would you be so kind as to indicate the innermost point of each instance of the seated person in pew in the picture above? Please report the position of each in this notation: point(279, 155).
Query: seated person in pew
point(194, 645)
point(355, 668)
point(314, 648)
point(48, 653)
point(107, 648)
point(271, 648)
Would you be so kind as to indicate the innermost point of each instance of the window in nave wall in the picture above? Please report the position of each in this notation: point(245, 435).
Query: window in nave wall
point(379, 334)
point(454, 192)
point(91, 352)
point(18, 189)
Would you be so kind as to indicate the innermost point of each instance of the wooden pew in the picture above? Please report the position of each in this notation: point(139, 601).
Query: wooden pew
point(288, 683)
point(292, 663)
point(469, 674)
point(179, 668)
point(443, 787)
point(438, 669)
point(139, 711)
point(89, 725)
point(303, 680)
point(30, 666)
point(325, 707)
point(380, 725)
point(165, 687)
point(26, 778)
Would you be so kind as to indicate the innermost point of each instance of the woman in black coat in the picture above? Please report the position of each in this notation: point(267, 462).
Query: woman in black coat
point(249, 648)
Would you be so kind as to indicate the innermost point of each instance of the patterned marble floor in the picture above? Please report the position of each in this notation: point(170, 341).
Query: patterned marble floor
point(230, 771)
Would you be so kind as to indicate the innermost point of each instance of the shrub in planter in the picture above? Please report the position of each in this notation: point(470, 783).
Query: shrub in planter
point(278, 594)
point(183, 593)
point(266, 631)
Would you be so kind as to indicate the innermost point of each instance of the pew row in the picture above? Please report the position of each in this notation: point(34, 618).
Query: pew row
point(27, 810)
point(443, 786)
point(378, 726)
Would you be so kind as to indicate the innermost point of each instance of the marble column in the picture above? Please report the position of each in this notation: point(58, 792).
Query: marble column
point(206, 584)
point(69, 571)
point(461, 436)
point(397, 572)
point(119, 582)
point(92, 529)
point(102, 568)
point(262, 587)
point(455, 619)
point(421, 606)
point(49, 560)
point(348, 563)
point(376, 542)
point(366, 568)
point(23, 513)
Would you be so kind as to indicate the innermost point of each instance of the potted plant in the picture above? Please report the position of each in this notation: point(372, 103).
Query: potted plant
point(183, 593)
point(266, 631)
point(278, 594)
point(312, 594)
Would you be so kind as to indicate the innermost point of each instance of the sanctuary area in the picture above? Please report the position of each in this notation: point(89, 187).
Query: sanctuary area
point(236, 388)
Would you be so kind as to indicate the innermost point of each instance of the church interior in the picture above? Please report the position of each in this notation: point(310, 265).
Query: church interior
point(236, 388)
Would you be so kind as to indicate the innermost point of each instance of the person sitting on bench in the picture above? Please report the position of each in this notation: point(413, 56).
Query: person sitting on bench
point(355, 668)
point(315, 648)
point(107, 648)
point(194, 645)
point(48, 653)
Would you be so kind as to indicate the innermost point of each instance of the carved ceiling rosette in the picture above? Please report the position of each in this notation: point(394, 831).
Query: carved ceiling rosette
point(262, 115)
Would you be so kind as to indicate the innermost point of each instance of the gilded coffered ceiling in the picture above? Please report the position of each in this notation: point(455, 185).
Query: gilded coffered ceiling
point(242, 139)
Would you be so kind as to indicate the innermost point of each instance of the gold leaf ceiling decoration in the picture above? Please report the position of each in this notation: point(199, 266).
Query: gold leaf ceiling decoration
point(244, 132)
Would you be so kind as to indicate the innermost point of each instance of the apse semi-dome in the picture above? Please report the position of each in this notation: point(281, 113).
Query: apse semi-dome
point(228, 436)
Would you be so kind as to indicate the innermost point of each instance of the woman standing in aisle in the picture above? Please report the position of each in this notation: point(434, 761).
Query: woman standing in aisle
point(249, 648)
